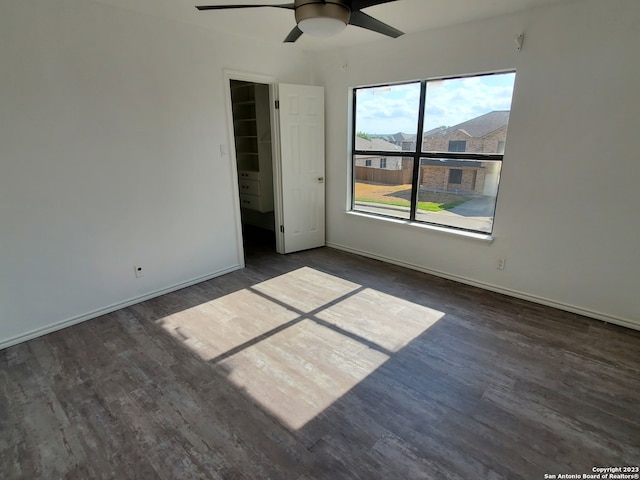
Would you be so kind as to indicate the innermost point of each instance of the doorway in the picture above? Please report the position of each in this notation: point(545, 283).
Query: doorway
point(277, 137)
point(252, 132)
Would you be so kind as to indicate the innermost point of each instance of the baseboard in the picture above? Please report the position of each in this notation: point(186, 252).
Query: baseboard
point(111, 308)
point(494, 288)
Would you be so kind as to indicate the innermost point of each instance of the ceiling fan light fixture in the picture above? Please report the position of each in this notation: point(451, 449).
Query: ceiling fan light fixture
point(322, 26)
point(322, 19)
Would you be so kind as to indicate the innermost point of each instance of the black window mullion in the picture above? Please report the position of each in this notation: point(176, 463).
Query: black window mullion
point(416, 154)
point(383, 153)
point(465, 156)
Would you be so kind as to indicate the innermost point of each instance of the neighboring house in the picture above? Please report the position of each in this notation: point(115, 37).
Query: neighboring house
point(484, 134)
point(376, 168)
point(405, 141)
point(377, 161)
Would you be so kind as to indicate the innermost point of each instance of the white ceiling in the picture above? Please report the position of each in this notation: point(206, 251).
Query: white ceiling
point(273, 24)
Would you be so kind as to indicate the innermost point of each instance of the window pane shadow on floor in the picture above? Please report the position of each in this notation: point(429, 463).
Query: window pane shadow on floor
point(322, 365)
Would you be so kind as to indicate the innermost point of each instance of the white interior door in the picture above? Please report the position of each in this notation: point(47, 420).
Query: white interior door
point(301, 119)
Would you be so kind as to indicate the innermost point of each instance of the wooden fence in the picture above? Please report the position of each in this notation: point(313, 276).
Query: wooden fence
point(383, 176)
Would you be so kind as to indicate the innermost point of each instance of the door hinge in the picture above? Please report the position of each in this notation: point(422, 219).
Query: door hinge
point(277, 104)
point(282, 228)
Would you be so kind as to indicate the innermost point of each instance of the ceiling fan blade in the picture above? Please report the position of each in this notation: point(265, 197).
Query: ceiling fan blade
point(293, 35)
point(360, 4)
point(289, 6)
point(363, 20)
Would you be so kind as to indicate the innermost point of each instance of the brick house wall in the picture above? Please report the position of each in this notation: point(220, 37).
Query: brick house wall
point(481, 180)
point(492, 141)
point(434, 178)
point(487, 144)
point(437, 178)
point(441, 144)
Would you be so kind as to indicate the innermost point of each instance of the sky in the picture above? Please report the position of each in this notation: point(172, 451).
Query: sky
point(394, 108)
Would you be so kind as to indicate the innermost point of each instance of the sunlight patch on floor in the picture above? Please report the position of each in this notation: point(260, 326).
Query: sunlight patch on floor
point(216, 327)
point(298, 342)
point(388, 321)
point(301, 371)
point(306, 289)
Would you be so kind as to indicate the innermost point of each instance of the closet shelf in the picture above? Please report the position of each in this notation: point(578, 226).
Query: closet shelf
point(252, 132)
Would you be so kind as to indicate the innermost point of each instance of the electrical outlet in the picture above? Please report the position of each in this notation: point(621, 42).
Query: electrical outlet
point(501, 263)
point(138, 271)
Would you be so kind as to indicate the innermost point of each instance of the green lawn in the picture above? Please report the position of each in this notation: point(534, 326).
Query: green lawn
point(427, 206)
point(399, 197)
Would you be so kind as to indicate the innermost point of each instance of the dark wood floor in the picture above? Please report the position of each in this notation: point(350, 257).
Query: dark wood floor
point(322, 365)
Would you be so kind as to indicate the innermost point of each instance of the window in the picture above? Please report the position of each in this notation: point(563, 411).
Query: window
point(383, 163)
point(455, 176)
point(440, 179)
point(457, 145)
point(367, 163)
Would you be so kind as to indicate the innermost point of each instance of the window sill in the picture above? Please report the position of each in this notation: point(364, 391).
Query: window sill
point(482, 237)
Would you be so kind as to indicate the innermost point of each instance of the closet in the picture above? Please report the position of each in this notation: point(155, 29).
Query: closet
point(252, 136)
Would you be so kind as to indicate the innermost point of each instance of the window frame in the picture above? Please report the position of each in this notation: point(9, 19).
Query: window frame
point(418, 154)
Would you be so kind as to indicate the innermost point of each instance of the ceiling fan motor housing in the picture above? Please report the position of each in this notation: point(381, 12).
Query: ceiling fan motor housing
point(334, 9)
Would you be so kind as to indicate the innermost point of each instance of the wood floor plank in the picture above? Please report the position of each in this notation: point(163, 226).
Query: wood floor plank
point(322, 365)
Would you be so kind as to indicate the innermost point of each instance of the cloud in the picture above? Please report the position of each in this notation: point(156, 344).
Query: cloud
point(394, 108)
point(388, 109)
point(434, 111)
point(450, 102)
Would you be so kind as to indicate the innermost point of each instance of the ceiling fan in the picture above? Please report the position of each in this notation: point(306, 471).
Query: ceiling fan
point(323, 18)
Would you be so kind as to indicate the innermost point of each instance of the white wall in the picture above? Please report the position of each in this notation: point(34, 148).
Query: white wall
point(567, 216)
point(110, 126)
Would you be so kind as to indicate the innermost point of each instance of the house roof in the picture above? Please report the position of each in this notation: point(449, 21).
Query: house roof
point(398, 137)
point(376, 144)
point(476, 127)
